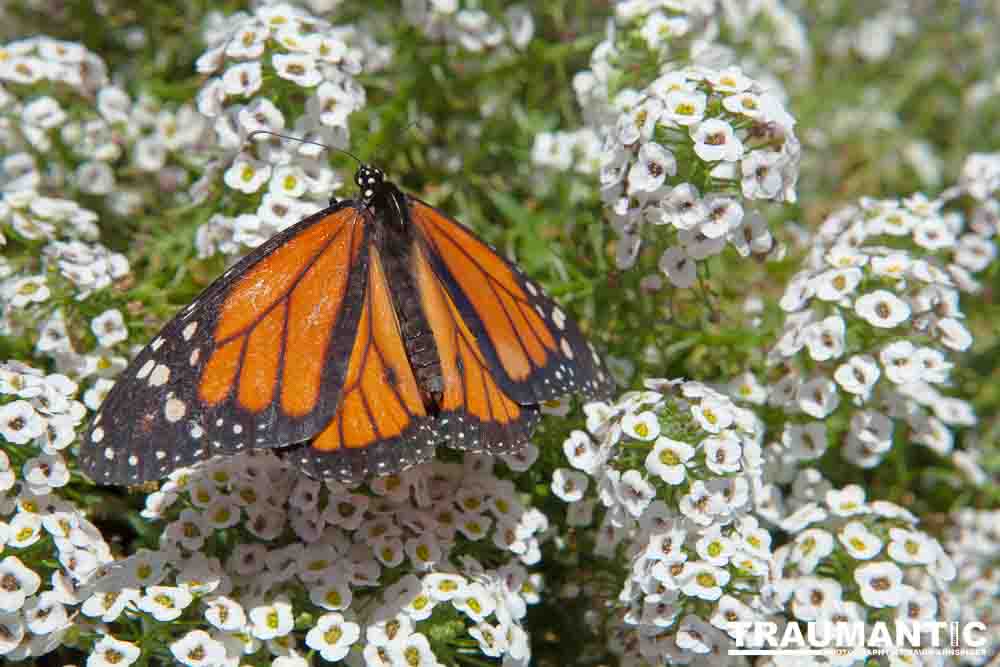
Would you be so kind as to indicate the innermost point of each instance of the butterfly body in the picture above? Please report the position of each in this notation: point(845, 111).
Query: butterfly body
point(355, 342)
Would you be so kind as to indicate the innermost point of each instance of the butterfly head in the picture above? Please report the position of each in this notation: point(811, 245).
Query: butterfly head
point(369, 180)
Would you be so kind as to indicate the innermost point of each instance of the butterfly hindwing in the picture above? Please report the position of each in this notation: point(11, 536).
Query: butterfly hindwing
point(256, 361)
point(381, 425)
point(475, 412)
point(533, 350)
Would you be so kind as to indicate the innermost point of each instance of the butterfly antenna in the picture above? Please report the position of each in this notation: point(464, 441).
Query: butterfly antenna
point(306, 141)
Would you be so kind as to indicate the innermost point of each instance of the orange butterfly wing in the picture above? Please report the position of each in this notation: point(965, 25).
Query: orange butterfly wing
point(476, 414)
point(256, 361)
point(530, 347)
point(381, 424)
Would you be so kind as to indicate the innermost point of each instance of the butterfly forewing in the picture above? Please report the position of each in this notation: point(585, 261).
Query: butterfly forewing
point(533, 350)
point(257, 360)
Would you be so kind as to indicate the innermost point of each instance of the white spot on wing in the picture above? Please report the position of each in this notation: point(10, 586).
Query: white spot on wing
point(566, 349)
point(146, 368)
point(97, 435)
point(559, 317)
point(174, 409)
point(159, 376)
point(189, 330)
point(195, 354)
point(155, 345)
point(109, 454)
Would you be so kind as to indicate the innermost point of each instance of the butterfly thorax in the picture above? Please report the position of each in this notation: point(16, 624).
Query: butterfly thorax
point(394, 238)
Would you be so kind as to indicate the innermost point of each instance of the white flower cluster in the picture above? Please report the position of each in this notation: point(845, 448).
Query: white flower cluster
point(735, 143)
point(683, 520)
point(471, 28)
point(370, 563)
point(50, 548)
point(296, 52)
point(883, 564)
point(891, 272)
point(974, 543)
point(41, 59)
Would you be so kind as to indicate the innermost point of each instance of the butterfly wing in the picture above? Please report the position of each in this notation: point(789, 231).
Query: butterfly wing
point(257, 360)
point(381, 425)
point(533, 351)
point(475, 412)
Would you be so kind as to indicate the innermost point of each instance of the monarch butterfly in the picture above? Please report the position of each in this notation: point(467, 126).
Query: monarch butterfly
point(355, 340)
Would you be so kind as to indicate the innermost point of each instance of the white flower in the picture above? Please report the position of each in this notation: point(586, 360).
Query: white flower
point(810, 547)
point(684, 107)
point(111, 652)
point(703, 581)
point(655, 163)
point(880, 584)
point(882, 309)
point(849, 501)
point(332, 636)
point(634, 492)
point(642, 426)
point(813, 595)
point(715, 548)
point(715, 140)
point(46, 472)
point(858, 375)
point(109, 605)
point(835, 284)
point(288, 181)
point(747, 387)
point(581, 451)
point(165, 603)
point(109, 327)
point(953, 334)
point(668, 460)
point(198, 649)
point(805, 442)
point(825, 340)
point(225, 613)
point(243, 79)
point(268, 621)
point(297, 68)
point(911, 547)
point(700, 505)
point(19, 423)
point(444, 586)
point(762, 177)
point(23, 291)
point(682, 208)
point(900, 362)
point(679, 267)
point(713, 414)
point(818, 397)
point(974, 252)
point(247, 175)
point(658, 29)
point(260, 114)
point(894, 265)
point(476, 602)
point(414, 650)
point(722, 452)
point(724, 214)
point(860, 543)
point(569, 485)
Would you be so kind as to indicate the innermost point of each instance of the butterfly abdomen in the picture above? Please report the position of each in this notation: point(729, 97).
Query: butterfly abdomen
point(395, 246)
